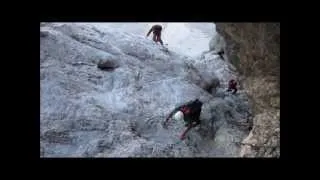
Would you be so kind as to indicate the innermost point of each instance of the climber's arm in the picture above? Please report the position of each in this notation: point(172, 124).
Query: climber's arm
point(185, 131)
point(149, 31)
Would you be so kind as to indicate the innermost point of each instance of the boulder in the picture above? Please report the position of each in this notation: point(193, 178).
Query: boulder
point(107, 65)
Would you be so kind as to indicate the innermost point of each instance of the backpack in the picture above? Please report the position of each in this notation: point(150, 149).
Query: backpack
point(192, 107)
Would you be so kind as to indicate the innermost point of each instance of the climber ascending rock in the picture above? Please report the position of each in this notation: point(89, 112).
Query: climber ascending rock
point(156, 29)
point(232, 86)
point(189, 112)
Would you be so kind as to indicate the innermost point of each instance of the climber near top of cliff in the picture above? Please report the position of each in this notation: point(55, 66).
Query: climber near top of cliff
point(189, 112)
point(232, 86)
point(156, 29)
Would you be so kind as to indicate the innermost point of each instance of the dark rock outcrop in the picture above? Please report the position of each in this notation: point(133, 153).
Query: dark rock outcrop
point(107, 65)
point(44, 34)
point(254, 49)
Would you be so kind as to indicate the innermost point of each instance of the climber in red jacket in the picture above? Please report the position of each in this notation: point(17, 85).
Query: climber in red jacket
point(156, 29)
point(189, 112)
point(232, 86)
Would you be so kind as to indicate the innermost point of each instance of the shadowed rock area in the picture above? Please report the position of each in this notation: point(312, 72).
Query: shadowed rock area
point(87, 111)
point(254, 49)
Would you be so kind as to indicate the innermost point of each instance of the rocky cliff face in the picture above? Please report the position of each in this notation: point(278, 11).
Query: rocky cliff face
point(105, 93)
point(254, 49)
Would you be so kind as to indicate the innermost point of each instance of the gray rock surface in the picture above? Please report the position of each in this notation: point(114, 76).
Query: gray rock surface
point(217, 43)
point(89, 112)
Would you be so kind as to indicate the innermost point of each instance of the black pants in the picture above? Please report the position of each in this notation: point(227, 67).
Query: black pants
point(157, 37)
point(191, 120)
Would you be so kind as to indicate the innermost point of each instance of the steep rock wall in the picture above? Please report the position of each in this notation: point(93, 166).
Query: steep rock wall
point(254, 49)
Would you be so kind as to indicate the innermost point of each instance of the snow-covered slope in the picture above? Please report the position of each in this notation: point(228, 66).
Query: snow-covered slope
point(88, 112)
